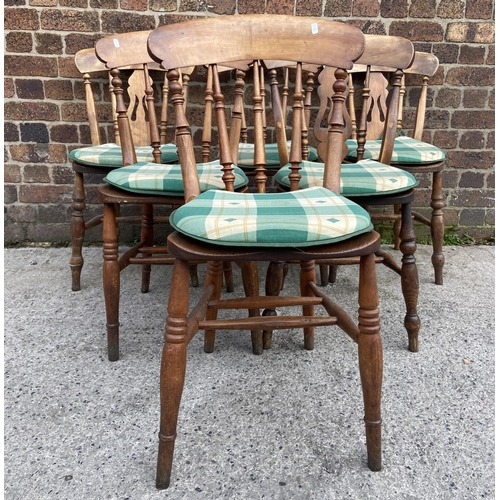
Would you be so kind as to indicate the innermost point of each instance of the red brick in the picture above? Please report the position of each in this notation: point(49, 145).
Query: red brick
point(473, 120)
point(12, 173)
point(28, 111)
point(51, 214)
point(490, 59)
point(10, 132)
point(471, 180)
point(18, 18)
point(48, 43)
point(479, 9)
point(337, 8)
point(474, 198)
point(192, 6)
point(445, 139)
point(22, 213)
point(447, 53)
point(134, 4)
point(64, 133)
point(59, 89)
point(36, 174)
point(9, 193)
point(29, 89)
point(35, 193)
point(471, 54)
point(163, 6)
point(452, 9)
point(78, 4)
point(365, 8)
point(417, 30)
point(450, 179)
point(78, 41)
point(472, 140)
point(470, 160)
point(70, 20)
point(471, 32)
point(423, 8)
point(8, 88)
point(394, 8)
point(491, 140)
point(39, 153)
point(104, 4)
point(67, 68)
point(30, 66)
point(122, 22)
point(43, 3)
point(50, 233)
point(280, 7)
point(19, 41)
point(472, 217)
point(62, 174)
point(475, 98)
point(251, 6)
point(448, 98)
point(490, 217)
point(307, 8)
point(478, 76)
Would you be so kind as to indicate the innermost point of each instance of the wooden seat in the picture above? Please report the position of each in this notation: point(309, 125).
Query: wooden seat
point(410, 152)
point(371, 183)
point(103, 156)
point(303, 225)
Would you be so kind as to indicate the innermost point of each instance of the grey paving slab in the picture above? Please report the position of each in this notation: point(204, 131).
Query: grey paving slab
point(285, 425)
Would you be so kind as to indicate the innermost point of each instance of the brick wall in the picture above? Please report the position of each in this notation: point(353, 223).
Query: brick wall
point(45, 110)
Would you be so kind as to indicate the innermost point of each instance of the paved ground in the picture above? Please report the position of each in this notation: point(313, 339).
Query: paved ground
point(285, 425)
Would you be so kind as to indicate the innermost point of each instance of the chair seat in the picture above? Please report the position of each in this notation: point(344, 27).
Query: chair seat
point(296, 219)
point(246, 154)
point(160, 179)
point(110, 155)
point(364, 178)
point(406, 151)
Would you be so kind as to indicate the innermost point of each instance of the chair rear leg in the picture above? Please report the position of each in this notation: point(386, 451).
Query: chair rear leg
point(173, 370)
point(396, 228)
point(370, 359)
point(213, 277)
point(147, 236)
point(437, 227)
point(274, 283)
point(77, 230)
point(307, 275)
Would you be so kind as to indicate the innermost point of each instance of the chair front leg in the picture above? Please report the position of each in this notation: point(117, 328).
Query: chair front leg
point(213, 277)
point(370, 359)
point(147, 236)
point(173, 370)
point(307, 275)
point(437, 227)
point(274, 284)
point(111, 279)
point(77, 229)
point(409, 276)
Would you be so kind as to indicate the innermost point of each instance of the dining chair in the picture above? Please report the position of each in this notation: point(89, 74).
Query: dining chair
point(101, 157)
point(145, 183)
point(411, 153)
point(247, 228)
point(371, 184)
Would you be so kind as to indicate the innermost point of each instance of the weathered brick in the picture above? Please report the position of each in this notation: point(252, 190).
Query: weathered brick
point(140, 5)
point(307, 8)
point(51, 214)
point(18, 41)
point(67, 68)
point(104, 4)
point(22, 213)
point(423, 8)
point(365, 8)
point(447, 53)
point(12, 173)
point(369, 27)
point(475, 98)
point(11, 3)
point(472, 140)
point(491, 100)
point(163, 6)
point(473, 119)
point(10, 132)
point(78, 4)
point(30, 66)
point(62, 174)
point(337, 8)
point(470, 54)
point(59, 89)
point(471, 180)
point(474, 198)
point(252, 6)
point(9, 193)
point(78, 41)
point(490, 180)
point(471, 32)
point(479, 9)
point(192, 6)
point(14, 234)
point(48, 43)
point(417, 30)
point(36, 174)
point(452, 9)
point(8, 88)
point(450, 179)
point(479, 76)
point(472, 217)
point(490, 217)
point(29, 89)
point(38, 153)
point(122, 22)
point(64, 133)
point(35, 193)
point(43, 3)
point(448, 98)
point(445, 139)
point(490, 59)
point(18, 18)
point(50, 233)
point(280, 7)
point(34, 132)
point(27, 111)
point(470, 160)
point(70, 20)
point(74, 112)
point(490, 144)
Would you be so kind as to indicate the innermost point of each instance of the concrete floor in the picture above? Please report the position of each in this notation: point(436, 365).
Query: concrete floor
point(285, 425)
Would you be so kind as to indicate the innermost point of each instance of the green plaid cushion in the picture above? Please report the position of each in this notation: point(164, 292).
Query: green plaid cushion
point(303, 218)
point(245, 154)
point(365, 178)
point(110, 155)
point(406, 151)
point(156, 178)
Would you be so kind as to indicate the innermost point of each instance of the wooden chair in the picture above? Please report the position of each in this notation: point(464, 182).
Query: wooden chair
point(410, 152)
point(145, 183)
point(371, 183)
point(101, 158)
point(277, 228)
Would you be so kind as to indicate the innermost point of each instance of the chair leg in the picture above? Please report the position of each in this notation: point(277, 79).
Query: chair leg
point(173, 369)
point(213, 277)
point(437, 227)
point(193, 274)
point(77, 231)
point(332, 274)
point(148, 237)
point(228, 276)
point(370, 359)
point(111, 279)
point(396, 228)
point(409, 276)
point(274, 283)
point(307, 275)
point(324, 272)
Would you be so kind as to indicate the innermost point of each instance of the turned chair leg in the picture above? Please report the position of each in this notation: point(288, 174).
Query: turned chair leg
point(409, 276)
point(213, 277)
point(274, 284)
point(147, 236)
point(111, 279)
point(228, 276)
point(307, 275)
point(173, 370)
point(396, 228)
point(370, 359)
point(77, 231)
point(437, 227)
